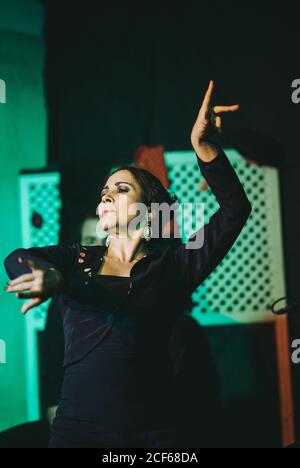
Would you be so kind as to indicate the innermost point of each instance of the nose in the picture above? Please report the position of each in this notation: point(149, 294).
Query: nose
point(106, 198)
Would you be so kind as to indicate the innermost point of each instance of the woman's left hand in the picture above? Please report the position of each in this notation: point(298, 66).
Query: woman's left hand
point(208, 119)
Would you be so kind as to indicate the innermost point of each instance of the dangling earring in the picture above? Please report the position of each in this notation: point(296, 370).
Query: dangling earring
point(107, 241)
point(147, 231)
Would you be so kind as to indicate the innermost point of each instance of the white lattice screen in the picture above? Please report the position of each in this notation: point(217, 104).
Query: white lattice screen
point(40, 212)
point(250, 277)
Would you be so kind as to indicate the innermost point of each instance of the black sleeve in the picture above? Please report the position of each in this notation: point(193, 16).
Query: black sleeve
point(218, 236)
point(63, 258)
point(53, 354)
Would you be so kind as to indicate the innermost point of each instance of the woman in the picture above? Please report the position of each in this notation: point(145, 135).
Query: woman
point(120, 301)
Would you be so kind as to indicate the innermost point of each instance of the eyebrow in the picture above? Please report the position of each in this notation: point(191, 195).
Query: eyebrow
point(118, 183)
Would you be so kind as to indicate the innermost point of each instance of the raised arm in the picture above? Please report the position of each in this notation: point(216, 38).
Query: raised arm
point(215, 239)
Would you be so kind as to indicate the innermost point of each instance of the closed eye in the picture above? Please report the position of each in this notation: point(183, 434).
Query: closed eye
point(123, 189)
point(119, 189)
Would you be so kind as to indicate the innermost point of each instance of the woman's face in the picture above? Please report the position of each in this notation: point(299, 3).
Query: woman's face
point(120, 191)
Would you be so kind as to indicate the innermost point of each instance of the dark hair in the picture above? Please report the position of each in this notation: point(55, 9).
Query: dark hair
point(153, 191)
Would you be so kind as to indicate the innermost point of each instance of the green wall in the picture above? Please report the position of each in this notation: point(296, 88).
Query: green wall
point(22, 146)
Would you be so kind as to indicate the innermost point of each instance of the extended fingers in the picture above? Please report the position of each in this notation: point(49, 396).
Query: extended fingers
point(35, 302)
point(218, 122)
point(20, 287)
point(219, 109)
point(208, 95)
point(21, 279)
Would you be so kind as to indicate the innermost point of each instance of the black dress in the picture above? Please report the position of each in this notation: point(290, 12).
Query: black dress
point(109, 398)
point(118, 378)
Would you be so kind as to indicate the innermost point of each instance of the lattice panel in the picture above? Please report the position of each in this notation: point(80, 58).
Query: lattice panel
point(250, 277)
point(40, 201)
point(40, 211)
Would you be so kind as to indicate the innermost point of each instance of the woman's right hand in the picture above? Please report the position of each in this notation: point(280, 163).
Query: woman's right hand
point(208, 120)
point(39, 285)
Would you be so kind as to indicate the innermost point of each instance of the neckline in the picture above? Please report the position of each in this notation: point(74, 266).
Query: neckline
point(136, 261)
point(118, 276)
point(99, 251)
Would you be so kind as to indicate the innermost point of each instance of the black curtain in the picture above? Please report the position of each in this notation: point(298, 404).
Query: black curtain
point(119, 75)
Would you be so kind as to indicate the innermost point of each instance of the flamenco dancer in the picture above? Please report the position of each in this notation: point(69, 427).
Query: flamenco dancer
point(119, 301)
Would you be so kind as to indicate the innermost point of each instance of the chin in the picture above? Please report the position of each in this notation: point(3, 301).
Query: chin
point(106, 224)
